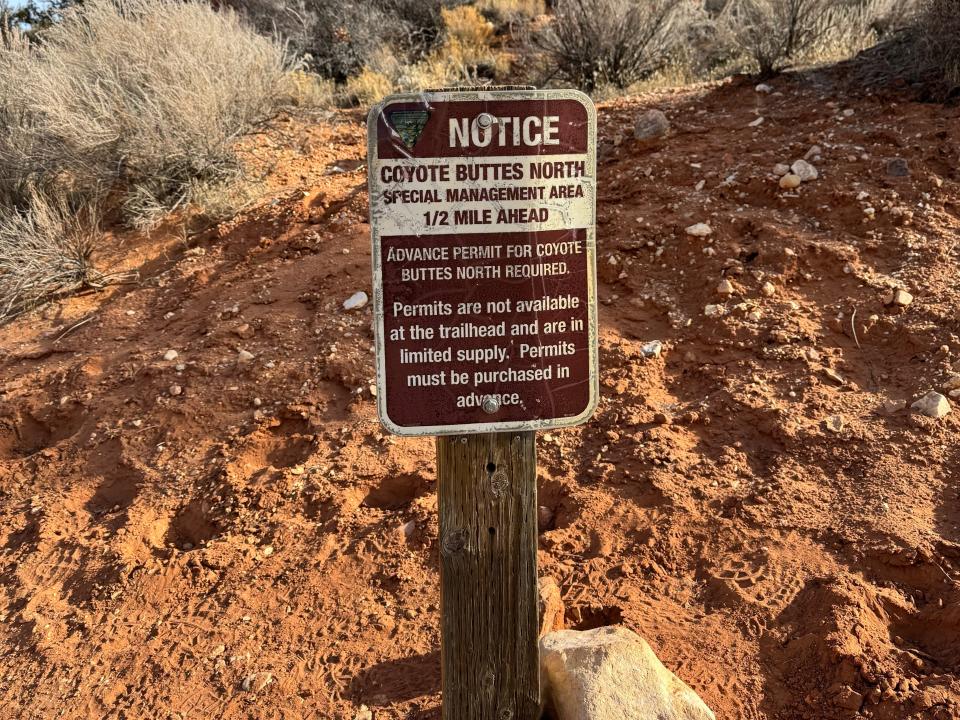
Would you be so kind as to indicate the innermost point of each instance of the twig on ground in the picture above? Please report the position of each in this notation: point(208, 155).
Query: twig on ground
point(853, 327)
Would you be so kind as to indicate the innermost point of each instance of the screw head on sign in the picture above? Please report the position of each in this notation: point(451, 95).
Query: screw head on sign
point(490, 405)
point(485, 120)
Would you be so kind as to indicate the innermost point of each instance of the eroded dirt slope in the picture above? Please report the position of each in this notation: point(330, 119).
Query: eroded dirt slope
point(218, 536)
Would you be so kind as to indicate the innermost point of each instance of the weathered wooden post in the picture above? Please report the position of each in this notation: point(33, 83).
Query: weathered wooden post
point(482, 214)
point(488, 575)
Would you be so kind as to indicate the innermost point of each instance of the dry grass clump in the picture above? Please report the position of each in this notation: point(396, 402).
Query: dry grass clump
point(597, 43)
point(45, 252)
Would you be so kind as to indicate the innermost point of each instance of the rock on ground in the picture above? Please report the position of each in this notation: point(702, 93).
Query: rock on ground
point(611, 673)
point(550, 605)
point(804, 170)
point(651, 124)
point(933, 404)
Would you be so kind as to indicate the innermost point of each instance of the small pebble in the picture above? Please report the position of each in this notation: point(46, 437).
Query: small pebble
point(834, 423)
point(725, 288)
point(804, 170)
point(898, 297)
point(651, 349)
point(790, 181)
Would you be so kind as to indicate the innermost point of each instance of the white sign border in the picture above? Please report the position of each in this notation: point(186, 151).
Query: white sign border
point(373, 188)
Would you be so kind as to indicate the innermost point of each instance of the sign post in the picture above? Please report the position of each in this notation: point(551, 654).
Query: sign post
point(482, 212)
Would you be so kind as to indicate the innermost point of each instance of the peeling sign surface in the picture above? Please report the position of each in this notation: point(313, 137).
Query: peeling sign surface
point(483, 214)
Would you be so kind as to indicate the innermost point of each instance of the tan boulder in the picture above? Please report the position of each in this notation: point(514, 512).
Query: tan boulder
point(611, 673)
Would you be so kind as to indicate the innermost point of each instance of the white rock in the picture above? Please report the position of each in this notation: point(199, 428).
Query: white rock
point(651, 349)
point(610, 673)
point(812, 152)
point(933, 404)
point(714, 311)
point(651, 124)
point(363, 713)
point(768, 289)
point(804, 170)
point(244, 356)
point(756, 123)
point(764, 88)
point(175, 390)
point(171, 355)
point(898, 297)
point(790, 181)
point(356, 301)
point(834, 423)
point(699, 230)
point(725, 287)
point(781, 169)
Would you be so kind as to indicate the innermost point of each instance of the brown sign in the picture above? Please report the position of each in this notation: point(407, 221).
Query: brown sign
point(482, 209)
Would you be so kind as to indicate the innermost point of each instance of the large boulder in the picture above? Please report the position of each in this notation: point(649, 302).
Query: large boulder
point(610, 673)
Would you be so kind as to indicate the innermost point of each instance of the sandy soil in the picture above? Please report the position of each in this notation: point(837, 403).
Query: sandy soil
point(214, 537)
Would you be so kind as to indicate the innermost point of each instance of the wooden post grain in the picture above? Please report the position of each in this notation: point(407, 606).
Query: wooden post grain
point(488, 576)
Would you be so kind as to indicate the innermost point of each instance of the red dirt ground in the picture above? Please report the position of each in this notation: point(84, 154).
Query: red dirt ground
point(238, 550)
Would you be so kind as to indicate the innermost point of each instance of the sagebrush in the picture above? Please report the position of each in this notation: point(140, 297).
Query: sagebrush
point(129, 105)
point(136, 97)
point(593, 43)
point(337, 38)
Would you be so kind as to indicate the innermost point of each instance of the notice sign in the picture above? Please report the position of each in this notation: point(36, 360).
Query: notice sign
point(482, 212)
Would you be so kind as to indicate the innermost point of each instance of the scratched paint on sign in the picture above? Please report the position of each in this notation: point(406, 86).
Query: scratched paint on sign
point(482, 212)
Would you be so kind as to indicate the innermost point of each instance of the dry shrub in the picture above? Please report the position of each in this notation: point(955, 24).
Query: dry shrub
point(337, 38)
point(508, 14)
point(45, 251)
point(852, 26)
point(465, 56)
point(138, 97)
point(307, 90)
point(467, 47)
point(936, 43)
point(369, 87)
point(133, 102)
point(595, 43)
point(777, 32)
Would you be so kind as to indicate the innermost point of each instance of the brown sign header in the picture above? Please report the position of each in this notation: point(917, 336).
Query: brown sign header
point(451, 129)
